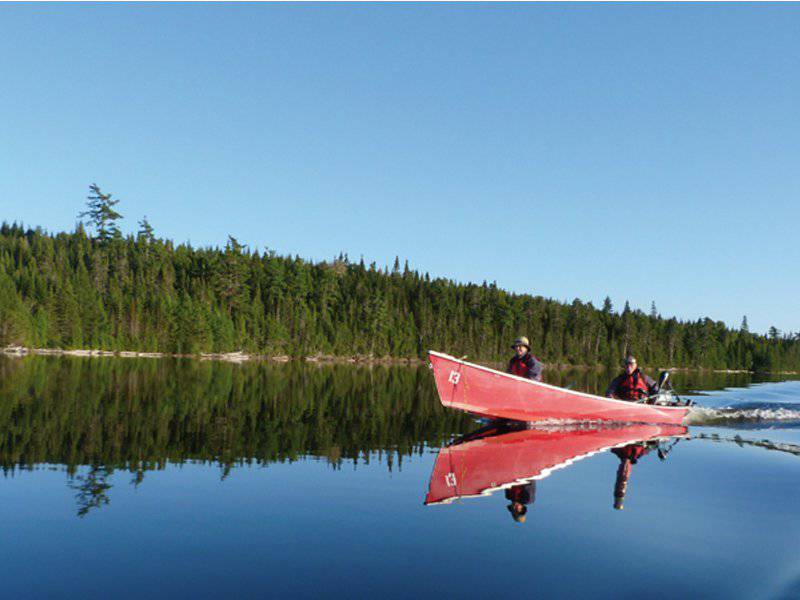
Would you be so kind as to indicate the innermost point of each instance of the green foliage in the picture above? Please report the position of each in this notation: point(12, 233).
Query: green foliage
point(68, 290)
point(102, 215)
point(146, 232)
point(14, 319)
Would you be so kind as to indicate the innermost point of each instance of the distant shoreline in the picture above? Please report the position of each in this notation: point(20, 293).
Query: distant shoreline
point(241, 357)
point(233, 357)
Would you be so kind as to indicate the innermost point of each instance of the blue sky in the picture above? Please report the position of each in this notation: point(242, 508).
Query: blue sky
point(647, 152)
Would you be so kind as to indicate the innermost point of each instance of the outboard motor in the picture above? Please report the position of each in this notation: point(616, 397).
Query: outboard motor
point(665, 395)
point(663, 379)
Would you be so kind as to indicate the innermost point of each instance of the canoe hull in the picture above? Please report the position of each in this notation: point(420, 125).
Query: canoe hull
point(489, 393)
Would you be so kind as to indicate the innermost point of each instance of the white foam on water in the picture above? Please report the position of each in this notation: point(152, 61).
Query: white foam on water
point(699, 415)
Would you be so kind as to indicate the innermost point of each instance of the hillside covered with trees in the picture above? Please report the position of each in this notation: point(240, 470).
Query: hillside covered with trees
point(106, 290)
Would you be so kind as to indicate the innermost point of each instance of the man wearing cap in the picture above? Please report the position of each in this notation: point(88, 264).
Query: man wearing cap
point(632, 384)
point(523, 363)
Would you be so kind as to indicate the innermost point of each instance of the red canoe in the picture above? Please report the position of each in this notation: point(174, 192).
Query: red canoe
point(481, 466)
point(489, 393)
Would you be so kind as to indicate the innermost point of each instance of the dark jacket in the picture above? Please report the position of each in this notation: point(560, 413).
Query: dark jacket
point(526, 365)
point(524, 494)
point(623, 386)
point(631, 452)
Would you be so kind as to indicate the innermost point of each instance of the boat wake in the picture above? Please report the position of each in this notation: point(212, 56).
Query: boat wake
point(757, 414)
point(742, 442)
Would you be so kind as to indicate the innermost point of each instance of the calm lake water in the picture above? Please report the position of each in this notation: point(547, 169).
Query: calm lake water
point(130, 478)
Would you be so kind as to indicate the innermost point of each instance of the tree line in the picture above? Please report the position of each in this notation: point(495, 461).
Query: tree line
point(97, 288)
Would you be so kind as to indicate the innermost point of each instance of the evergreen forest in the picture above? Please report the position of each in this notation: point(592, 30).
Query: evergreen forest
point(95, 288)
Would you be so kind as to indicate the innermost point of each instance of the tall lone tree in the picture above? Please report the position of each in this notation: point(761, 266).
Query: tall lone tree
point(102, 215)
point(146, 231)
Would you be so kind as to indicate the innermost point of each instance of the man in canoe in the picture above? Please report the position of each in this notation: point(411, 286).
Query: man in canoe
point(523, 363)
point(631, 385)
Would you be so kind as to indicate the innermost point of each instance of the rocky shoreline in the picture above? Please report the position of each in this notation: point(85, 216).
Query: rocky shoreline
point(234, 357)
point(241, 357)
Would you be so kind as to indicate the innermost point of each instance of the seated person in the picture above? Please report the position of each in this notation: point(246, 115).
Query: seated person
point(632, 384)
point(523, 363)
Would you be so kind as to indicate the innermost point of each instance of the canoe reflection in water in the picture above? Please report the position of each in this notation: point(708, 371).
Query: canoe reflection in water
point(512, 457)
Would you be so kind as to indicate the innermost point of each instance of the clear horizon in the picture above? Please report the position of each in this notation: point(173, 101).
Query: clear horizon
point(647, 153)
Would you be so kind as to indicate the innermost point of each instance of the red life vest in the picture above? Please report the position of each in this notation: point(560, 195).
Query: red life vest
point(632, 451)
point(519, 365)
point(633, 386)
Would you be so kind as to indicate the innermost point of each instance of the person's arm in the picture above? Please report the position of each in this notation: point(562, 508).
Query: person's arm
point(535, 370)
point(611, 392)
point(652, 386)
point(510, 363)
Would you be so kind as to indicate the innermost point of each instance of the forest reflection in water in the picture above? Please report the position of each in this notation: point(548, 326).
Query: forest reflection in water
point(96, 416)
point(137, 414)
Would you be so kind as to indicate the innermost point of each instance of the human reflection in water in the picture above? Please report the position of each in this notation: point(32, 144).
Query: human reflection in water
point(628, 456)
point(520, 496)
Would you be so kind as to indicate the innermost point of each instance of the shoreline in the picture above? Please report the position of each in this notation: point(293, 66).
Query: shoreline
point(233, 357)
point(241, 357)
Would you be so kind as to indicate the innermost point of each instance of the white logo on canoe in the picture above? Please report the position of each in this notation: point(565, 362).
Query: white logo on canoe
point(450, 479)
point(454, 377)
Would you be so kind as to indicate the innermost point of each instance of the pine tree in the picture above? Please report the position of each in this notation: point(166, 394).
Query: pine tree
point(102, 215)
point(146, 232)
